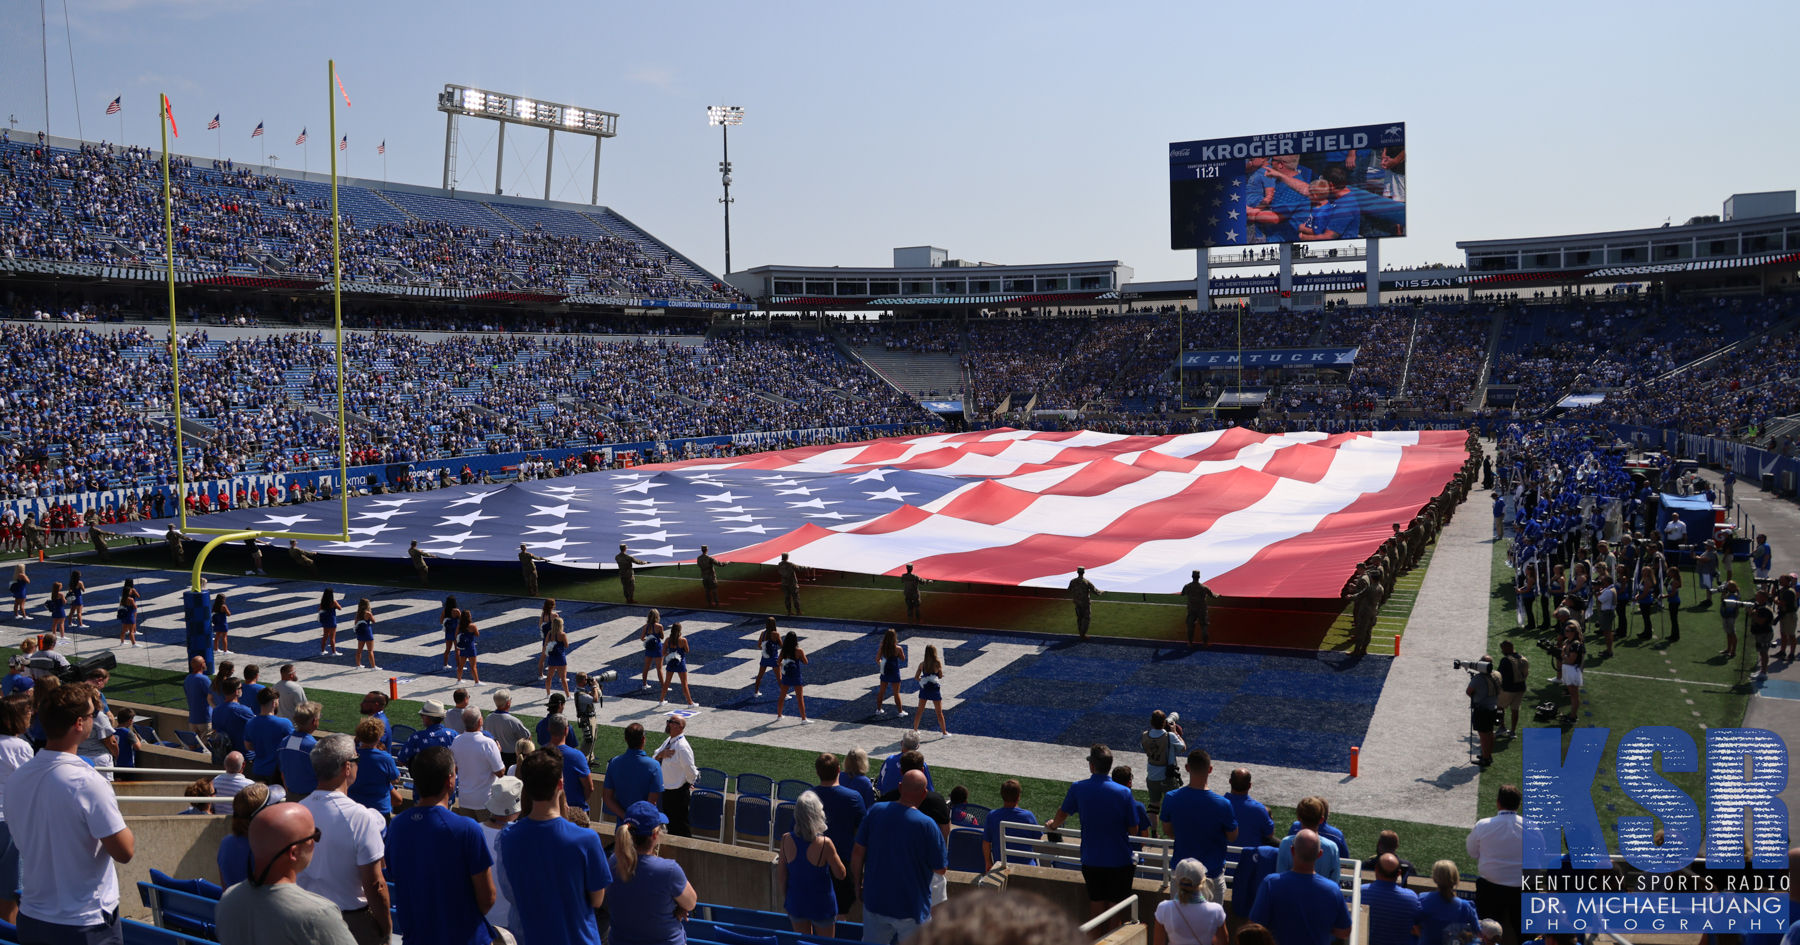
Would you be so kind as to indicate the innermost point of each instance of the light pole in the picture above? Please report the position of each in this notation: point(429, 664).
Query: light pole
point(725, 116)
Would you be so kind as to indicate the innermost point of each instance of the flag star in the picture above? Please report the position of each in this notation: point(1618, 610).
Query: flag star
point(643, 487)
point(564, 491)
point(1231, 235)
point(561, 558)
point(467, 520)
point(753, 529)
point(1212, 221)
point(666, 551)
point(384, 516)
point(769, 478)
point(1215, 201)
point(350, 545)
point(374, 529)
point(875, 474)
point(285, 521)
point(721, 497)
point(649, 502)
point(1234, 199)
point(1237, 182)
point(557, 510)
point(649, 523)
point(657, 536)
point(893, 492)
point(395, 502)
point(731, 508)
point(839, 516)
point(447, 552)
point(557, 545)
point(785, 481)
point(802, 490)
point(632, 476)
point(811, 504)
point(742, 518)
point(473, 498)
point(458, 538)
point(557, 529)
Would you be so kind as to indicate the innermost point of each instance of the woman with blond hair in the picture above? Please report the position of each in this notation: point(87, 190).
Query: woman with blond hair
point(931, 679)
point(234, 850)
point(1189, 916)
point(804, 873)
point(1443, 910)
point(643, 910)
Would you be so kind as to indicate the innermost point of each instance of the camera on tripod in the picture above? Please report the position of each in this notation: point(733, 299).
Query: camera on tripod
point(1475, 667)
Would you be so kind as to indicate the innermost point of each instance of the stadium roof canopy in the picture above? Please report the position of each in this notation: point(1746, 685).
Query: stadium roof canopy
point(934, 282)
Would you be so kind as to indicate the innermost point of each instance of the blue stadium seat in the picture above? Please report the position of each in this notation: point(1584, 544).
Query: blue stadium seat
point(752, 820)
point(400, 733)
point(755, 785)
point(190, 741)
point(790, 790)
point(137, 933)
point(712, 779)
point(784, 819)
point(706, 812)
point(965, 850)
point(180, 911)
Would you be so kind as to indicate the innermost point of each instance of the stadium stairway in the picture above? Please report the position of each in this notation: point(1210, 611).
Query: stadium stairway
point(1478, 396)
point(914, 373)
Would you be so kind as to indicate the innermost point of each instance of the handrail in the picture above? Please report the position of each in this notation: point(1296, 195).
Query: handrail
point(196, 772)
point(1130, 902)
point(1066, 852)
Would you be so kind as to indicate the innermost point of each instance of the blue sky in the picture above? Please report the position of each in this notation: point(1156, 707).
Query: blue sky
point(1006, 132)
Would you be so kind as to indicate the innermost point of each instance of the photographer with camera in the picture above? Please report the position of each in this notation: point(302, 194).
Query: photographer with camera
point(1484, 693)
point(1573, 653)
point(1515, 672)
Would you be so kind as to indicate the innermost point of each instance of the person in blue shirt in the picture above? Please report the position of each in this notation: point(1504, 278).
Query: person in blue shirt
point(197, 687)
point(128, 740)
point(1107, 819)
point(631, 777)
point(578, 779)
point(431, 715)
point(890, 768)
point(844, 813)
point(1443, 911)
point(1141, 822)
point(1200, 821)
point(1499, 516)
point(1393, 909)
point(440, 859)
point(264, 735)
point(252, 688)
point(650, 893)
point(1255, 826)
point(554, 707)
point(898, 851)
point(231, 716)
point(1335, 213)
point(1319, 823)
point(376, 773)
point(294, 757)
point(17, 680)
point(1009, 813)
point(1298, 906)
point(556, 873)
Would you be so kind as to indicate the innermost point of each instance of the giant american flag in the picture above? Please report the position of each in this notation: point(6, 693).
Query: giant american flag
point(1269, 515)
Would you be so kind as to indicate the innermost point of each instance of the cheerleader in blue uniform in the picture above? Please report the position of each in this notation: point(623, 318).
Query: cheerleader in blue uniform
point(128, 616)
point(931, 679)
point(77, 595)
point(652, 636)
point(466, 634)
point(675, 664)
point(328, 608)
point(545, 620)
point(221, 624)
point(20, 581)
point(770, 645)
point(557, 660)
point(891, 657)
point(448, 619)
point(792, 658)
point(365, 632)
point(57, 604)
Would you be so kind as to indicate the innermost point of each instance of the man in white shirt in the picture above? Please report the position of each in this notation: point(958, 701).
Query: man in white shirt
point(227, 785)
point(502, 809)
point(679, 775)
point(346, 863)
point(477, 763)
point(1498, 843)
point(1675, 533)
point(66, 823)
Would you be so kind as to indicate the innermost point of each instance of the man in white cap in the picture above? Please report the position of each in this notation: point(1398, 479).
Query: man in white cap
point(432, 732)
point(502, 809)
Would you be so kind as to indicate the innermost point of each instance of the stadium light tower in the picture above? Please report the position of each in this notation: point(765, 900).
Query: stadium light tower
point(725, 116)
point(511, 109)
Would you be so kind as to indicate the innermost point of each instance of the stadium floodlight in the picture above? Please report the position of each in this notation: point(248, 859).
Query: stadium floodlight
point(725, 116)
point(461, 100)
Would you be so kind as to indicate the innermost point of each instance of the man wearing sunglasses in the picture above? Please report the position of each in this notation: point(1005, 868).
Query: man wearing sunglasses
point(346, 867)
point(271, 908)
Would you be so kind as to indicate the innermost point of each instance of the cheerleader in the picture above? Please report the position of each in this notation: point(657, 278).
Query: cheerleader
point(792, 658)
point(365, 633)
point(328, 608)
point(466, 633)
point(449, 619)
point(676, 664)
point(890, 657)
point(770, 645)
point(557, 661)
point(1582, 590)
point(545, 618)
point(128, 607)
point(20, 580)
point(56, 605)
point(221, 624)
point(652, 636)
point(931, 678)
point(77, 592)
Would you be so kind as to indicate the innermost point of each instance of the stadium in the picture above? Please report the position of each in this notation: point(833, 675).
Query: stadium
point(308, 473)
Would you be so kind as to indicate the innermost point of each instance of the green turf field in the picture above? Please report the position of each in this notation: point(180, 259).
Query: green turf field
point(1646, 682)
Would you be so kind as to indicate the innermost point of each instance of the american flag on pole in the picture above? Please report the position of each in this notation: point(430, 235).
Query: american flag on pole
point(344, 144)
point(214, 124)
point(113, 109)
point(258, 132)
point(302, 138)
point(382, 147)
point(1259, 515)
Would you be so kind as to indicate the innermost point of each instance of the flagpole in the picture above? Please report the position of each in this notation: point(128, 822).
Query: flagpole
point(162, 121)
point(337, 309)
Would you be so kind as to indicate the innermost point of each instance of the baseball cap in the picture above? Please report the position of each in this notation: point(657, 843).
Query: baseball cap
point(432, 708)
point(503, 797)
point(644, 817)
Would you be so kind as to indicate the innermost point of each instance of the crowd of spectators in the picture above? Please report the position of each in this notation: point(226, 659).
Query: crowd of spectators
point(103, 204)
point(919, 337)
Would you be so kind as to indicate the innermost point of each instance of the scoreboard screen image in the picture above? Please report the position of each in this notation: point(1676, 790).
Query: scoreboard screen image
point(1295, 187)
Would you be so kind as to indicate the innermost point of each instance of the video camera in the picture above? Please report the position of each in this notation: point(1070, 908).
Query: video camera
point(1475, 667)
